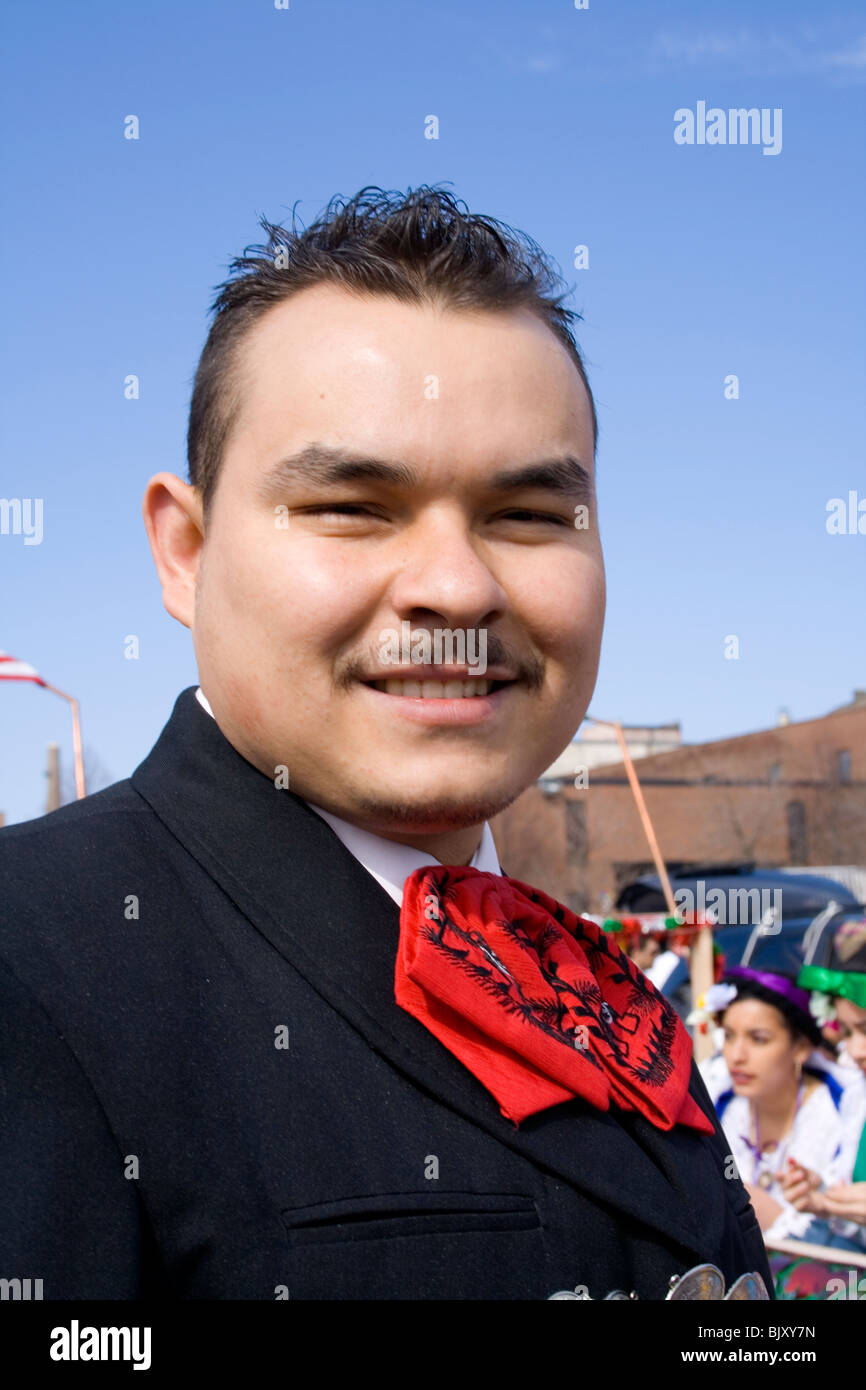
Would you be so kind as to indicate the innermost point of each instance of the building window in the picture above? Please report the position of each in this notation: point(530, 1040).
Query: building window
point(843, 758)
point(796, 832)
point(775, 773)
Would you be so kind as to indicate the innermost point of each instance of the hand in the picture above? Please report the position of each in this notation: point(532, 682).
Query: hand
point(847, 1200)
point(800, 1188)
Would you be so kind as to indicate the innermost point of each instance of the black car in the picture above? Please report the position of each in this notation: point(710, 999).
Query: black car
point(778, 908)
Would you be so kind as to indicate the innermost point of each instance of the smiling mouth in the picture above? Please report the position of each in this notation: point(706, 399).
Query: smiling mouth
point(466, 688)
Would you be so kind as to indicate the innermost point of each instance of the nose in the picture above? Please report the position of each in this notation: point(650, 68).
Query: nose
point(735, 1054)
point(447, 576)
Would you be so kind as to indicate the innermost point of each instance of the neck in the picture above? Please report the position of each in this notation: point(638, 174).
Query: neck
point(451, 847)
point(776, 1110)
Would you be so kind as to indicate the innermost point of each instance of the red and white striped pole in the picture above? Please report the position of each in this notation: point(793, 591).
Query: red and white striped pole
point(14, 670)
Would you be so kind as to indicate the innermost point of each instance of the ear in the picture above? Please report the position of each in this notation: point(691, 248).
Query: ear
point(802, 1049)
point(173, 520)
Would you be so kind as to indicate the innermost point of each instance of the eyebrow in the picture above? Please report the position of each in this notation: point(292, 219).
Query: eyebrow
point(325, 465)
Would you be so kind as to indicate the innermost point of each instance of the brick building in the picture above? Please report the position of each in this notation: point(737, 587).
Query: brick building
point(793, 794)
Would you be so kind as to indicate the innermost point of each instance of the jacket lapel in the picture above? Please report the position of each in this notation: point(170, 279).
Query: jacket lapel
point(296, 883)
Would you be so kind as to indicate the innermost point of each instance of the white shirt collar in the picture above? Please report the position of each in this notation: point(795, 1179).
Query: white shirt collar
point(390, 863)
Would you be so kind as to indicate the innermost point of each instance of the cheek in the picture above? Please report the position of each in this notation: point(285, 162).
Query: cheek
point(562, 604)
point(299, 590)
point(778, 1059)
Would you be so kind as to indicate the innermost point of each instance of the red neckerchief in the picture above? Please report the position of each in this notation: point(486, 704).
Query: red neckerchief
point(539, 1004)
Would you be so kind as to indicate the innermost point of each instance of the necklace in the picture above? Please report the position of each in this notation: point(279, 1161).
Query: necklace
point(767, 1178)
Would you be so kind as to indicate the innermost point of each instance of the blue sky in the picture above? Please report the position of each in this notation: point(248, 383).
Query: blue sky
point(704, 260)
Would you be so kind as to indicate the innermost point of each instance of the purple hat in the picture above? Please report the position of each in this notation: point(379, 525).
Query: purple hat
point(777, 984)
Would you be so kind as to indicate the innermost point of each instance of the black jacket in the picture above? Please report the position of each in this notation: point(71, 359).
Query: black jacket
point(209, 1091)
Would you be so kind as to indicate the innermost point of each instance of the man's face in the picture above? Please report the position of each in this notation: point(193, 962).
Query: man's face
point(645, 952)
point(300, 578)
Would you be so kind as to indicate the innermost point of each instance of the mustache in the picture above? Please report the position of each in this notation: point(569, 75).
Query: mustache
point(526, 667)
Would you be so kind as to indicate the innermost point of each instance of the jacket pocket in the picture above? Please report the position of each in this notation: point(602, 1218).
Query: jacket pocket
point(408, 1214)
point(416, 1245)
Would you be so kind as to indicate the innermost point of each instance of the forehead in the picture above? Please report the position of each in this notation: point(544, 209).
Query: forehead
point(409, 378)
point(752, 1013)
point(849, 1014)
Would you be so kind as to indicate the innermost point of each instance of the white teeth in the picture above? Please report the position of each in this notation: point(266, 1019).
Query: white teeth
point(434, 690)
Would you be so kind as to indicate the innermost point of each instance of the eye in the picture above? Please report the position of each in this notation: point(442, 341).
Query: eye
point(348, 509)
point(538, 516)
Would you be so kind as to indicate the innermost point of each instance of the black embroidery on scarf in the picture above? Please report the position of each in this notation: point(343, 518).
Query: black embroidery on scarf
point(585, 1001)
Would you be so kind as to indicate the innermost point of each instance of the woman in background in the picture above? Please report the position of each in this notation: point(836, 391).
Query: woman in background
point(778, 1100)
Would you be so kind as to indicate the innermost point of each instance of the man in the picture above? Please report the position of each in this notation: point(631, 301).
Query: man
point(643, 948)
point(261, 1044)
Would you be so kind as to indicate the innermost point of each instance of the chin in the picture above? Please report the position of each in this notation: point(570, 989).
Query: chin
point(750, 1089)
point(391, 810)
